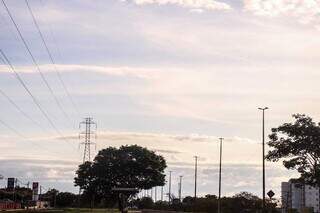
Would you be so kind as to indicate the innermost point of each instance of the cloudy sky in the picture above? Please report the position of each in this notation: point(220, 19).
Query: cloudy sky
point(171, 75)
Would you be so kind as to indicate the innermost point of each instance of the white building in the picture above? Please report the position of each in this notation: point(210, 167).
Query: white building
point(295, 195)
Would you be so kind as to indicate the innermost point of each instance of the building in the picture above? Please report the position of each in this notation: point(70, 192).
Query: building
point(296, 195)
point(7, 204)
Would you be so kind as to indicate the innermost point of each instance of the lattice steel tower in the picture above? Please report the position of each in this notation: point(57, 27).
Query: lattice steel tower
point(87, 135)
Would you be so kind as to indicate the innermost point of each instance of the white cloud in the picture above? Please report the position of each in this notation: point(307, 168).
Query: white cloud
point(107, 70)
point(305, 11)
point(182, 147)
point(191, 4)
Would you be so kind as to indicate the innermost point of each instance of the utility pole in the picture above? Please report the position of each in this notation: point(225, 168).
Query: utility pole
point(263, 163)
point(219, 200)
point(170, 187)
point(195, 176)
point(88, 122)
point(151, 192)
point(161, 193)
point(55, 198)
point(180, 187)
point(40, 192)
point(155, 194)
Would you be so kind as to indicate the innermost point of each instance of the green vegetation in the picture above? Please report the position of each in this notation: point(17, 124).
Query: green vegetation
point(71, 210)
point(243, 202)
point(125, 167)
point(298, 144)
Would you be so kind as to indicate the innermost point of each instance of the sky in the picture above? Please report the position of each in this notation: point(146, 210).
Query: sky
point(170, 75)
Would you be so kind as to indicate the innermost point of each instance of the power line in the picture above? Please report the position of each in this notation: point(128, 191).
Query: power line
point(50, 56)
point(36, 145)
point(60, 55)
point(34, 60)
point(11, 128)
point(20, 110)
point(7, 61)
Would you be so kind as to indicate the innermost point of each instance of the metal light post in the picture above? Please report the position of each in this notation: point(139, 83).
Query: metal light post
point(180, 187)
point(151, 193)
point(219, 200)
point(170, 187)
point(263, 163)
point(195, 177)
point(161, 193)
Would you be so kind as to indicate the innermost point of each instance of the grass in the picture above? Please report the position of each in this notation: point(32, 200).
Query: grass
point(70, 210)
point(85, 210)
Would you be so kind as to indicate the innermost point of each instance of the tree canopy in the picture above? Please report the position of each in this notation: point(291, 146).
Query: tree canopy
point(125, 167)
point(298, 144)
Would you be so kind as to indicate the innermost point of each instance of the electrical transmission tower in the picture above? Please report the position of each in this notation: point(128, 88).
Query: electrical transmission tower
point(87, 135)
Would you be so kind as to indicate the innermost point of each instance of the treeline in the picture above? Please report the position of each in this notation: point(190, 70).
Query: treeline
point(23, 195)
point(20, 194)
point(243, 202)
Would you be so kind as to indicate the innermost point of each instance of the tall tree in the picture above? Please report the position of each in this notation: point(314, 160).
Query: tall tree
point(298, 144)
point(129, 167)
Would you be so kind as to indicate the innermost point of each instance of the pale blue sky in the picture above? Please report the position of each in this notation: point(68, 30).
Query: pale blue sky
point(170, 75)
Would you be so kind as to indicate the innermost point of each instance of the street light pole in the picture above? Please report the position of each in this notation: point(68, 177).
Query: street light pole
point(195, 177)
point(219, 200)
point(180, 187)
point(161, 193)
point(263, 163)
point(170, 187)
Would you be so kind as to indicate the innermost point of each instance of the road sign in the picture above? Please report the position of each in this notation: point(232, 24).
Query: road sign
point(11, 183)
point(270, 194)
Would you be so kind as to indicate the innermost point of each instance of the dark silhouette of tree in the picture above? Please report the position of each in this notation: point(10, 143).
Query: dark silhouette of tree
point(298, 143)
point(145, 203)
point(243, 202)
point(50, 196)
point(126, 167)
point(66, 199)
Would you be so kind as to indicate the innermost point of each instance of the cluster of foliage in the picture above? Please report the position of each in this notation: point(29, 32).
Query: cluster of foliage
point(20, 194)
point(298, 144)
point(243, 202)
point(60, 199)
point(125, 167)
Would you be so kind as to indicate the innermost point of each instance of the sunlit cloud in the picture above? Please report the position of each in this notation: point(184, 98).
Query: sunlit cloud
point(191, 4)
point(305, 11)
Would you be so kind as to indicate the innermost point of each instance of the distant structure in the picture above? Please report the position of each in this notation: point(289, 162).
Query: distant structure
point(87, 135)
point(299, 196)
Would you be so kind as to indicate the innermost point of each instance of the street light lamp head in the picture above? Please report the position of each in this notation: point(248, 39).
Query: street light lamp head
point(265, 108)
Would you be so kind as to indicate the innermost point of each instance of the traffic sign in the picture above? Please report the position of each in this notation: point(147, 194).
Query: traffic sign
point(270, 194)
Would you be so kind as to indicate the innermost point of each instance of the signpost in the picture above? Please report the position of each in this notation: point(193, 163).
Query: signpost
point(11, 183)
point(270, 194)
point(35, 191)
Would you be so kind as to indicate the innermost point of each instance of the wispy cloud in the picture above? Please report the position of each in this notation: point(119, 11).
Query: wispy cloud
point(60, 173)
point(190, 4)
point(305, 11)
point(167, 151)
point(194, 138)
point(123, 71)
